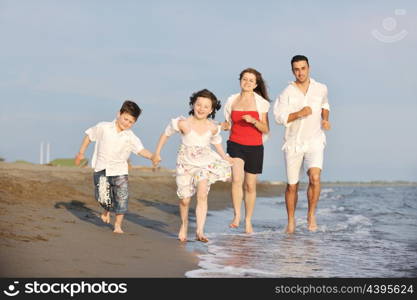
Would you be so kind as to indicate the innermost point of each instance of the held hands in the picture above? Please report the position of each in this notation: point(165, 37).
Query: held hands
point(325, 124)
point(305, 111)
point(225, 126)
point(156, 159)
point(78, 158)
point(229, 159)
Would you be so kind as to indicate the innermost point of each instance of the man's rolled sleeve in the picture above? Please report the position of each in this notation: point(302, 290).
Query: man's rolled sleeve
point(325, 102)
point(325, 106)
point(281, 111)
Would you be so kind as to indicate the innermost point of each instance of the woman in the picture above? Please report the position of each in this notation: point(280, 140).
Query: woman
point(246, 116)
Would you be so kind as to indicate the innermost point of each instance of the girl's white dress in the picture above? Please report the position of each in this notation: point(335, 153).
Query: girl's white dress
point(196, 160)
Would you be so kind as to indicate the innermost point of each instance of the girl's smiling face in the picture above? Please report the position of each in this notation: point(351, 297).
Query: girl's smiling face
point(202, 108)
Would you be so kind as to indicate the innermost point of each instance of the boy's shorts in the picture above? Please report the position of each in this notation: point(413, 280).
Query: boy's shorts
point(253, 156)
point(294, 161)
point(111, 192)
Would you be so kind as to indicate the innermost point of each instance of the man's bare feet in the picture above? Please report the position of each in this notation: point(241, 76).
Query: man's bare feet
point(182, 234)
point(290, 227)
point(248, 228)
point(105, 217)
point(199, 236)
point(311, 223)
point(202, 238)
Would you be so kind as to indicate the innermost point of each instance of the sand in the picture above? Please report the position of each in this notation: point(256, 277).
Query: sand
point(50, 225)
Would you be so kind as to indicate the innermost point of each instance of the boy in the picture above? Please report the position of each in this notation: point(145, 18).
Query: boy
point(114, 143)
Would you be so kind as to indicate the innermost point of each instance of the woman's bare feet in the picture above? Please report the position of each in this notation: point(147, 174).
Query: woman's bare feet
point(182, 234)
point(311, 223)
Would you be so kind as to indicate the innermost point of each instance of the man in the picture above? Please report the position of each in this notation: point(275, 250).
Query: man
point(304, 110)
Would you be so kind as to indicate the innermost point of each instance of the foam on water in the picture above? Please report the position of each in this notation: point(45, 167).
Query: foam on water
point(352, 239)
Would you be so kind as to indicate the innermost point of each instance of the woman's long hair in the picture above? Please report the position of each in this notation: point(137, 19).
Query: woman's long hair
point(260, 82)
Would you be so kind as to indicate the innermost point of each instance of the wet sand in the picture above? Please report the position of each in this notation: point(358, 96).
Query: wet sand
point(50, 224)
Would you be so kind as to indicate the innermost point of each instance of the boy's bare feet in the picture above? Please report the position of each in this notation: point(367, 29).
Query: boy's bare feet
point(182, 234)
point(105, 217)
point(118, 229)
point(290, 227)
point(118, 223)
point(311, 223)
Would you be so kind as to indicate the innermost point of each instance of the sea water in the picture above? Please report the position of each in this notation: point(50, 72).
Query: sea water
point(363, 231)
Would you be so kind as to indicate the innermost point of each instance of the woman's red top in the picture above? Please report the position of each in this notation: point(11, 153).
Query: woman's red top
point(242, 132)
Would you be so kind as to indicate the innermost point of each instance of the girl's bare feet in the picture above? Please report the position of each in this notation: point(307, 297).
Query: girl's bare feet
point(182, 234)
point(235, 223)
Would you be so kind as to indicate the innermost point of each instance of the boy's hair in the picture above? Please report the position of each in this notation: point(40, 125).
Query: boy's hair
point(299, 58)
point(215, 103)
point(260, 82)
point(131, 108)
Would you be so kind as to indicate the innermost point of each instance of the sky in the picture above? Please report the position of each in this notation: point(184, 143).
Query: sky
point(67, 65)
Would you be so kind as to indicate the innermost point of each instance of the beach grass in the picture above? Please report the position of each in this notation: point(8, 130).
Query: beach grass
point(22, 162)
point(67, 162)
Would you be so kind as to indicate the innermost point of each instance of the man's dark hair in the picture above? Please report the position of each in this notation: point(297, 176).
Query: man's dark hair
point(299, 58)
point(131, 108)
point(215, 103)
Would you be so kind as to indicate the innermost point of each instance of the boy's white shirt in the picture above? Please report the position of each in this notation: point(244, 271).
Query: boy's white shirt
point(112, 148)
point(262, 106)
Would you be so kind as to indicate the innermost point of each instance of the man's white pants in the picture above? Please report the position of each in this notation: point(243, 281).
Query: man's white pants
point(313, 158)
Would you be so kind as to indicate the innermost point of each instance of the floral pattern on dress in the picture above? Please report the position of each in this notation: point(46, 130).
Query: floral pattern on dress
point(197, 161)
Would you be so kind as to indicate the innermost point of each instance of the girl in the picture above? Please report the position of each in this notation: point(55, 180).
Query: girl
point(246, 116)
point(198, 166)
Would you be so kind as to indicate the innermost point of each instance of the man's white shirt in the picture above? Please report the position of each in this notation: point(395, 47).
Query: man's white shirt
point(306, 132)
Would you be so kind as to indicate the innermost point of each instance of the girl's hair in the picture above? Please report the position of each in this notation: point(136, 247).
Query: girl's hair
point(260, 83)
point(215, 103)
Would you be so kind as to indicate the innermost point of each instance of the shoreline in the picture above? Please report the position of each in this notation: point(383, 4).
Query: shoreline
point(51, 226)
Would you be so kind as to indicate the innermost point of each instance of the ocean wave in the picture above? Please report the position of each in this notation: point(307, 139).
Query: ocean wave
point(330, 210)
point(359, 220)
point(367, 234)
point(211, 270)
